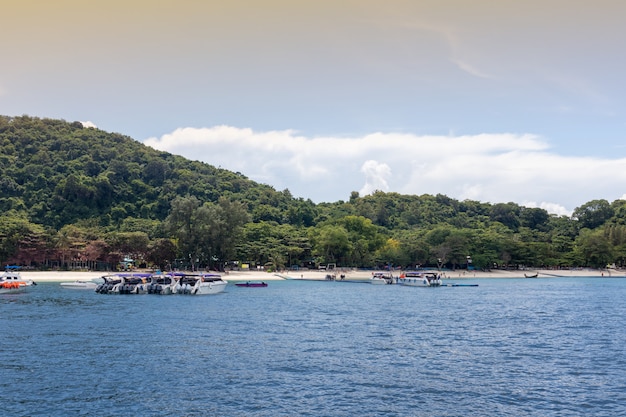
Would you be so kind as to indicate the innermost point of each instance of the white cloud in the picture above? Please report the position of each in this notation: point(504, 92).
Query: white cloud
point(89, 124)
point(487, 167)
point(376, 175)
point(549, 207)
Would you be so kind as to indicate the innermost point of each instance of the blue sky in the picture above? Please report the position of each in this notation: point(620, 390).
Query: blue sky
point(491, 101)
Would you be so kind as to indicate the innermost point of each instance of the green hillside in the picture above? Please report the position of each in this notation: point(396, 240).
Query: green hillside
point(76, 197)
point(59, 173)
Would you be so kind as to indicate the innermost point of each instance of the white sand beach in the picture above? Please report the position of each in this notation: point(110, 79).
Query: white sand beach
point(350, 274)
point(463, 274)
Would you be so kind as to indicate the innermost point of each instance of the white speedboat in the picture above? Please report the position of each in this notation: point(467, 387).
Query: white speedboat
point(381, 278)
point(420, 279)
point(11, 281)
point(199, 284)
point(163, 284)
point(210, 284)
point(80, 285)
point(126, 283)
point(133, 283)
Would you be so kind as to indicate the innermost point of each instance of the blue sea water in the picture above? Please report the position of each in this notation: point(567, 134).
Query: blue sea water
point(514, 347)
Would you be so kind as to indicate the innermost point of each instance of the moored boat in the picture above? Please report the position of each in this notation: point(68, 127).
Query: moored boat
point(251, 284)
point(206, 284)
point(79, 285)
point(125, 283)
point(11, 281)
point(163, 284)
point(420, 279)
point(197, 284)
point(381, 278)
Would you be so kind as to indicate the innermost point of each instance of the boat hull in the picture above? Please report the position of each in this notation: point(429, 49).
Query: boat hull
point(382, 278)
point(214, 287)
point(416, 282)
point(12, 282)
point(420, 279)
point(79, 285)
point(15, 289)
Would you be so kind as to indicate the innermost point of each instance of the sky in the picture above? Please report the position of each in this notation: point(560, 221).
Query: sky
point(494, 101)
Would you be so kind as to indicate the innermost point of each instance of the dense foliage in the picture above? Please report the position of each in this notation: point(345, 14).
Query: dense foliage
point(76, 197)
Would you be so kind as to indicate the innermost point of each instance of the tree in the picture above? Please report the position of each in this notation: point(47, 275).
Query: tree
point(449, 245)
point(491, 247)
point(594, 248)
point(161, 253)
point(155, 172)
point(593, 214)
point(21, 241)
point(97, 251)
point(69, 242)
point(416, 250)
point(206, 233)
point(534, 218)
point(391, 253)
point(235, 217)
point(331, 243)
point(131, 244)
point(507, 214)
point(181, 223)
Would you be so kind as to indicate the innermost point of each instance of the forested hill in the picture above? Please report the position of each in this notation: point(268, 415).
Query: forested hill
point(59, 172)
point(74, 197)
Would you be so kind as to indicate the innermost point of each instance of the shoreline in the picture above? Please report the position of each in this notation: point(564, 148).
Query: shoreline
point(350, 275)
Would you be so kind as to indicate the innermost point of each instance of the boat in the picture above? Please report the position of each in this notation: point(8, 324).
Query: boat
point(162, 284)
point(80, 285)
point(125, 283)
point(535, 275)
point(199, 284)
point(210, 284)
point(11, 281)
point(251, 284)
point(420, 279)
point(381, 278)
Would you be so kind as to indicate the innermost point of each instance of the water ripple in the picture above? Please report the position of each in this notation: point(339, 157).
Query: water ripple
point(506, 348)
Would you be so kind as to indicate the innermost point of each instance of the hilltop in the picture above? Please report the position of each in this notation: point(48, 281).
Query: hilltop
point(79, 197)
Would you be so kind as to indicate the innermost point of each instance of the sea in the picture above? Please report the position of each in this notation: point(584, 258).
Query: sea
point(506, 347)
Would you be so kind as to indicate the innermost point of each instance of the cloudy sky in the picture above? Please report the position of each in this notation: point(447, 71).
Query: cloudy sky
point(494, 101)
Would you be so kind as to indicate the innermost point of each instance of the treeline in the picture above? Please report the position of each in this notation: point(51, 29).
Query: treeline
point(75, 197)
